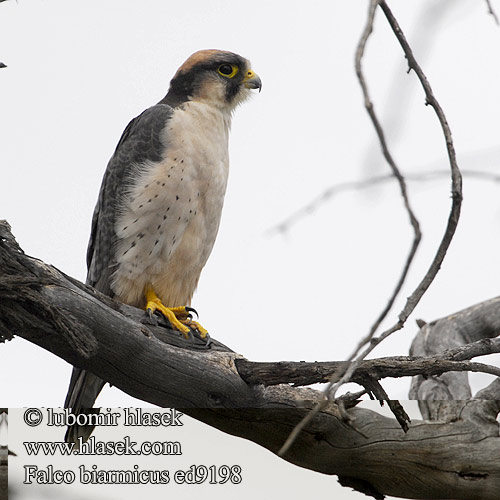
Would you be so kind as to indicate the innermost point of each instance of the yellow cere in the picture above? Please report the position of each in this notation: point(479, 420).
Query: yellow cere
point(250, 74)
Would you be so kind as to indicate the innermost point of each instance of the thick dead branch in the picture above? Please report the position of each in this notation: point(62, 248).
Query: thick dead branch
point(475, 326)
point(4, 473)
point(490, 392)
point(459, 459)
point(4, 459)
point(300, 373)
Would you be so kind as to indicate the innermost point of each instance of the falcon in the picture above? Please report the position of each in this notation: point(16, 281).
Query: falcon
point(161, 198)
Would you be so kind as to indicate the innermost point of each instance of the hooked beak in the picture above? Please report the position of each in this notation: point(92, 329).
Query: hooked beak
point(252, 81)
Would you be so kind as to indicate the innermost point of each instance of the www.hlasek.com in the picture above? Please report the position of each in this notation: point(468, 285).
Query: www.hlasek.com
point(92, 447)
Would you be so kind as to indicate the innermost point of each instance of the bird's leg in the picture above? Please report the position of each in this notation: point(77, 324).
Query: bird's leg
point(179, 317)
point(155, 304)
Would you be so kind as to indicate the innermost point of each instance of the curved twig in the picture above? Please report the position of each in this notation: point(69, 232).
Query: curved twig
point(492, 12)
point(417, 235)
point(329, 193)
point(451, 226)
point(456, 177)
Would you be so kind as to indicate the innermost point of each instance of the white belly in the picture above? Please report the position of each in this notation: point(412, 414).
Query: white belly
point(168, 226)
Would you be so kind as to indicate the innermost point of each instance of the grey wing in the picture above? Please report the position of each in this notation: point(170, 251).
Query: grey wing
point(140, 142)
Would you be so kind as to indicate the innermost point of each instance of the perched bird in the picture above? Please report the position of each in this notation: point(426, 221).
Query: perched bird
point(161, 198)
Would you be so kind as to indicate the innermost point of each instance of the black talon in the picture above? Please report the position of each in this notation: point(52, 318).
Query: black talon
point(190, 335)
point(192, 309)
point(209, 340)
point(150, 318)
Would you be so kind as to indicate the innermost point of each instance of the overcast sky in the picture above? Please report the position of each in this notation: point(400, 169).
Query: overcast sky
point(79, 71)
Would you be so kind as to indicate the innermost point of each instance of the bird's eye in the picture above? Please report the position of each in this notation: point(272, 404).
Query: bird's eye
point(228, 70)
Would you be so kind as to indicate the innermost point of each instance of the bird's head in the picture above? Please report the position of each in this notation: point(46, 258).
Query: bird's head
point(221, 78)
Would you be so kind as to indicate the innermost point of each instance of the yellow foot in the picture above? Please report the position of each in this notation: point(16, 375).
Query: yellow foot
point(196, 326)
point(179, 317)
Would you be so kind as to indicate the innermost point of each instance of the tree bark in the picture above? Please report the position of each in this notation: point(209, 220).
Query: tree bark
point(4, 460)
point(450, 458)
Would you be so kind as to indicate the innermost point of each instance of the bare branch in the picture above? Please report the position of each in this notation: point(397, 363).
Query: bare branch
point(395, 406)
point(417, 235)
point(479, 324)
point(474, 330)
point(491, 392)
point(456, 177)
point(331, 388)
point(492, 12)
point(370, 182)
point(327, 195)
point(451, 226)
point(300, 373)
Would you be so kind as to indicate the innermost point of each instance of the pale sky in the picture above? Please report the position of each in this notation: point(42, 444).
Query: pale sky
point(79, 71)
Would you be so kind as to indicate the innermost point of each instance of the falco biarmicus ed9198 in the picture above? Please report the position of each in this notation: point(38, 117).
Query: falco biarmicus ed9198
point(161, 197)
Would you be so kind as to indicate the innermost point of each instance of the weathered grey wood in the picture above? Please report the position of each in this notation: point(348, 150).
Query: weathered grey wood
point(306, 373)
point(436, 394)
point(490, 392)
point(452, 459)
point(439, 460)
point(4, 460)
point(4, 473)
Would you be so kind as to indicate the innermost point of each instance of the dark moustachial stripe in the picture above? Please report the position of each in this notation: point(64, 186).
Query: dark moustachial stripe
point(185, 83)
